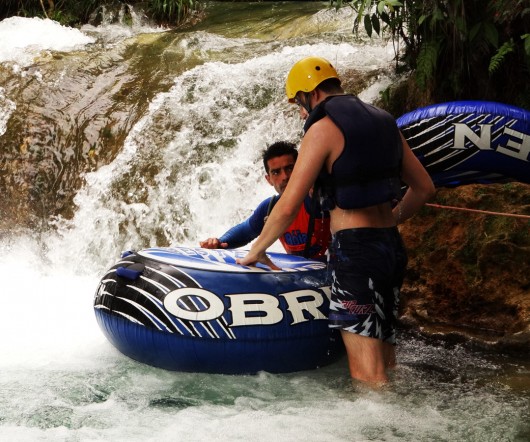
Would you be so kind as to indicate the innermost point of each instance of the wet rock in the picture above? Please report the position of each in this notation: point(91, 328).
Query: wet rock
point(469, 271)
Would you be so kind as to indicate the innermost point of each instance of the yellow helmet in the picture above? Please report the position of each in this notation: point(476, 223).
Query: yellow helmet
point(307, 74)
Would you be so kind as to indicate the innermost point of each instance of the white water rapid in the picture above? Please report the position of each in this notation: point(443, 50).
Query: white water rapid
point(190, 168)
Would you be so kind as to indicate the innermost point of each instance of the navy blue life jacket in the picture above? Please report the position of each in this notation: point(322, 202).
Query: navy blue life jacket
point(368, 170)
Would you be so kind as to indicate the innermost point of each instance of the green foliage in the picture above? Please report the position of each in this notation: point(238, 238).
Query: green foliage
point(498, 58)
point(526, 39)
point(172, 11)
point(459, 49)
point(64, 11)
point(23, 8)
point(426, 63)
point(374, 20)
point(377, 15)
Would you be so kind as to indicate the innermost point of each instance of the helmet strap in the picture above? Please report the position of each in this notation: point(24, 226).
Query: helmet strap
point(307, 102)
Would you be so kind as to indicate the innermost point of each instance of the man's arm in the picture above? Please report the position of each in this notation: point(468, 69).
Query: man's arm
point(312, 155)
point(241, 234)
point(213, 243)
point(420, 186)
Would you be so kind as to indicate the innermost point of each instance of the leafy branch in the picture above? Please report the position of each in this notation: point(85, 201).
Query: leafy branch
point(457, 48)
point(499, 56)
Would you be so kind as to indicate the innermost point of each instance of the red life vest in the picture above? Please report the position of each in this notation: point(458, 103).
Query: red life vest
point(295, 237)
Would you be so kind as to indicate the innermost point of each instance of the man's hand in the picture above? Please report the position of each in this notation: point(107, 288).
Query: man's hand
point(213, 243)
point(252, 258)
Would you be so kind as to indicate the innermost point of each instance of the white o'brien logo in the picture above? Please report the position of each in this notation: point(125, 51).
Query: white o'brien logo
point(246, 309)
point(194, 304)
point(517, 146)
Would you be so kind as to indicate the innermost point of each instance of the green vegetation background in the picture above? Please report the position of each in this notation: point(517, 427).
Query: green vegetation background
point(453, 49)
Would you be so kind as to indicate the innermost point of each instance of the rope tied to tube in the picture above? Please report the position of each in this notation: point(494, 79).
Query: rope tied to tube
point(486, 212)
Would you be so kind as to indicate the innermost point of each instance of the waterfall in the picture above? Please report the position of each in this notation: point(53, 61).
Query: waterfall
point(154, 137)
point(194, 156)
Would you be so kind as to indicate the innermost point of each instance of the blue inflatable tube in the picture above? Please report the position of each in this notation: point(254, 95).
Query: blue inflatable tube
point(192, 309)
point(467, 142)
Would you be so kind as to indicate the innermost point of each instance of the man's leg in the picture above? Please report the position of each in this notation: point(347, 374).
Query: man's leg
point(366, 358)
point(389, 352)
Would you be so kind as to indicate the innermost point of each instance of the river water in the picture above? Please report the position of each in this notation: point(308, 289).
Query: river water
point(189, 167)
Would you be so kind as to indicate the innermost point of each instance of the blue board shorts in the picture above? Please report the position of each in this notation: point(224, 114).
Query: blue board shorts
point(367, 270)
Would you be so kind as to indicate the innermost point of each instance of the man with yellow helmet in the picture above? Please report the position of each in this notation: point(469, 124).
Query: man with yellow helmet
point(307, 74)
point(356, 159)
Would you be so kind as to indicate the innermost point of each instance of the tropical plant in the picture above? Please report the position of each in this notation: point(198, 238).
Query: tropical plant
point(173, 11)
point(456, 48)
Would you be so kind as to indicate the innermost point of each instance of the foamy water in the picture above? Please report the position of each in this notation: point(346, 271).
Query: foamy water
point(25, 38)
point(60, 379)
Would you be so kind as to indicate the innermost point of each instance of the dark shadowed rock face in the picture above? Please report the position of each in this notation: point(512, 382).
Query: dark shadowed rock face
point(469, 272)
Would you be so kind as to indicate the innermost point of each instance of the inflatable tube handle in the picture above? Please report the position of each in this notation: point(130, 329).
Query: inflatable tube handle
point(132, 272)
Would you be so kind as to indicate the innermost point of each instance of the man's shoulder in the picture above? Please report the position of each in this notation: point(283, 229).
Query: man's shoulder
point(263, 207)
